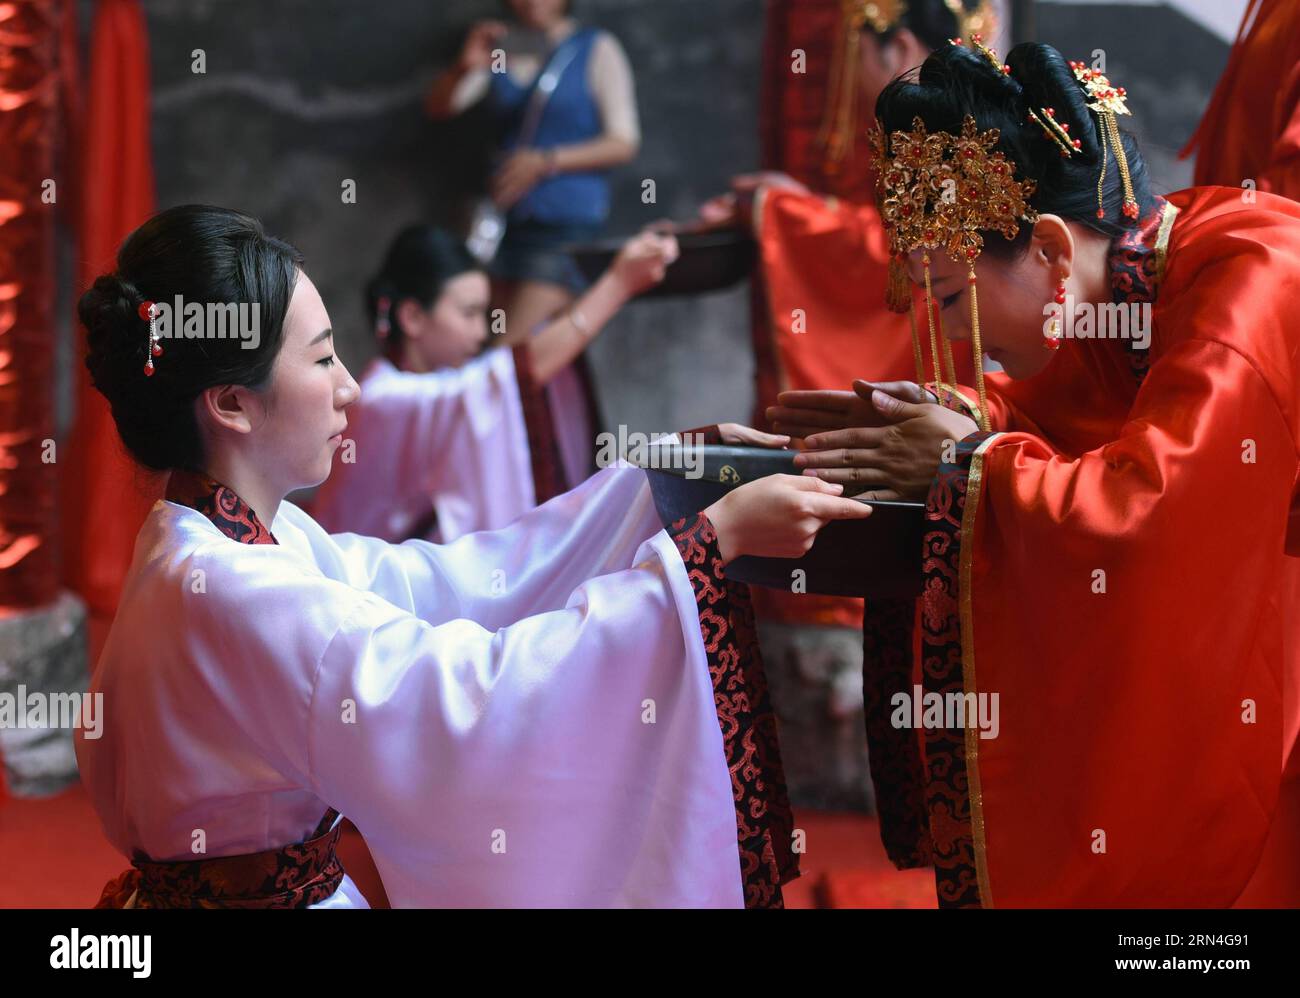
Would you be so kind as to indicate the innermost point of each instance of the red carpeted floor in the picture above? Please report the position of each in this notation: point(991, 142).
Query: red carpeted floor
point(53, 855)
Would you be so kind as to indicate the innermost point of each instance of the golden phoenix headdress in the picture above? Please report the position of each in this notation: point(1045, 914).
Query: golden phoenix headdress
point(939, 191)
point(839, 122)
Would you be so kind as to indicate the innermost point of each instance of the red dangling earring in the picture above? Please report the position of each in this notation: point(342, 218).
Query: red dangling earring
point(148, 310)
point(1052, 338)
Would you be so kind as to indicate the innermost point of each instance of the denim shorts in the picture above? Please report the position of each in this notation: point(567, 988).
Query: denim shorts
point(534, 251)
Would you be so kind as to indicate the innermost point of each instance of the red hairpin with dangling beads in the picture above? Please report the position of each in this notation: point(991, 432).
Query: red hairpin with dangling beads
point(382, 325)
point(1107, 102)
point(149, 311)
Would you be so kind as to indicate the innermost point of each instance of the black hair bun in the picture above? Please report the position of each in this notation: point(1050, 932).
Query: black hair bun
point(1039, 78)
point(975, 72)
point(110, 312)
point(117, 342)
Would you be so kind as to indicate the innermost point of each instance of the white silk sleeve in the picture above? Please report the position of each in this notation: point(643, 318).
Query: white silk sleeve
point(572, 758)
point(495, 577)
point(455, 440)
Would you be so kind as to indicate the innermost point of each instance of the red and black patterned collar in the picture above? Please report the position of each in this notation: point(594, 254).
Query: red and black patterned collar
point(1136, 260)
point(1137, 265)
point(230, 514)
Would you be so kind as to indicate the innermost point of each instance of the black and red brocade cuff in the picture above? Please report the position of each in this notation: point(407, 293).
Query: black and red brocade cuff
point(921, 780)
point(697, 543)
point(764, 823)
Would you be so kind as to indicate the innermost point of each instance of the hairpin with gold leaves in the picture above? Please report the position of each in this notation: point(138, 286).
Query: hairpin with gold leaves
point(942, 191)
point(1058, 132)
point(1107, 102)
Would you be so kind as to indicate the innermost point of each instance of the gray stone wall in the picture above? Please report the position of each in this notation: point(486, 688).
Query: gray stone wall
point(301, 94)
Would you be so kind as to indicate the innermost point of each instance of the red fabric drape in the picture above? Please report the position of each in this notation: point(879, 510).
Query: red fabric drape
point(1251, 128)
point(116, 196)
point(793, 103)
point(29, 117)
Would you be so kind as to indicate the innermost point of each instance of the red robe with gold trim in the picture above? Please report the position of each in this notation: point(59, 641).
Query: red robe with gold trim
point(1111, 564)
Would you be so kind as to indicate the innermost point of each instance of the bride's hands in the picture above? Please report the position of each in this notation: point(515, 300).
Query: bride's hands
point(896, 458)
point(778, 516)
point(804, 413)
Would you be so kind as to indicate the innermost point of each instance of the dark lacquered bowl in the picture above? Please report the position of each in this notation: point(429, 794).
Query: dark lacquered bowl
point(709, 261)
point(878, 557)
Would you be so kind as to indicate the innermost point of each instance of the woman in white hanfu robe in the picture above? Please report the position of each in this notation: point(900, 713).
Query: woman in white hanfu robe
point(565, 712)
point(444, 442)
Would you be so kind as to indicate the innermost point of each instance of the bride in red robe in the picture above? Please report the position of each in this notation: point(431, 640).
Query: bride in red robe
point(1107, 551)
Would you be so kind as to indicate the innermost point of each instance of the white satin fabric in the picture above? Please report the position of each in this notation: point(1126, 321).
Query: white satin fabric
point(475, 708)
point(453, 438)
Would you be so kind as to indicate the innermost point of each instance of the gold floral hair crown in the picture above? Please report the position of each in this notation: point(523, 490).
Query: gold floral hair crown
point(936, 191)
point(942, 191)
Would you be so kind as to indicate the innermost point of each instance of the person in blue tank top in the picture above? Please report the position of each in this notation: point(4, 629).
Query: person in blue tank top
point(551, 180)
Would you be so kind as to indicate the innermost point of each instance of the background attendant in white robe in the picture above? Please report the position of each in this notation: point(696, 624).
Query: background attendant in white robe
point(533, 716)
point(446, 440)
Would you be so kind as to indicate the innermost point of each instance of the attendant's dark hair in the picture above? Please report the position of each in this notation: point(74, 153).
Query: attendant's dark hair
point(418, 265)
point(956, 81)
point(930, 20)
point(207, 256)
